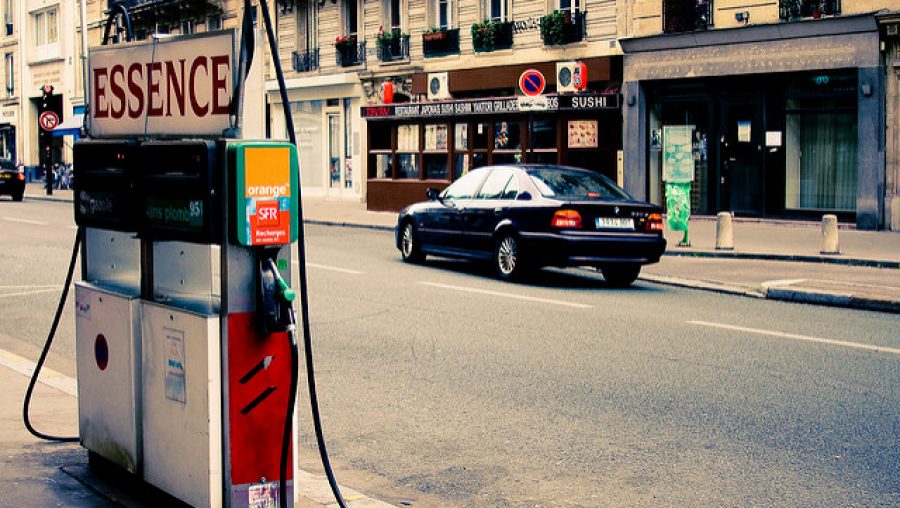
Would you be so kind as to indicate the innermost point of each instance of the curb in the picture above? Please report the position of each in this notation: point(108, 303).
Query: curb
point(870, 263)
point(783, 294)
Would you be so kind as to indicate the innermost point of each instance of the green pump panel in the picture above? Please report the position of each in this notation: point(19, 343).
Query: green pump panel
point(265, 196)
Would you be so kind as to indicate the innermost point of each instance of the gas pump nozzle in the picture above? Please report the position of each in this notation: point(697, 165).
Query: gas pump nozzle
point(274, 295)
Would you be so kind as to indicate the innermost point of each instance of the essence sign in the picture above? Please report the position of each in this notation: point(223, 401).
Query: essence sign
point(180, 86)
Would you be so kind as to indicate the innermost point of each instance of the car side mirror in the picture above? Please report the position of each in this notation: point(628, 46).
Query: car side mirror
point(431, 193)
point(524, 196)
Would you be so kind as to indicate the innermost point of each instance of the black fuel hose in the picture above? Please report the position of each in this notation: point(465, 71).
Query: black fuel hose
point(40, 363)
point(301, 261)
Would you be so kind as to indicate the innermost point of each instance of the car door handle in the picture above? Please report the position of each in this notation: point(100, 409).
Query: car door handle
point(498, 211)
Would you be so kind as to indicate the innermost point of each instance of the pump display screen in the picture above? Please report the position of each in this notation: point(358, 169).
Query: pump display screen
point(180, 184)
point(104, 194)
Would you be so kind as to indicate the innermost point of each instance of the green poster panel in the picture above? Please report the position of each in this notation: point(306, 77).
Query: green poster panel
point(678, 155)
point(678, 208)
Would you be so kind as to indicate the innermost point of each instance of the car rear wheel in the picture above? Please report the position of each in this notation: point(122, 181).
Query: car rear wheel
point(409, 245)
point(621, 276)
point(509, 261)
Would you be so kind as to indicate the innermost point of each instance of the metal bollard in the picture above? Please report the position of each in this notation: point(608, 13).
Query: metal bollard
point(724, 231)
point(830, 244)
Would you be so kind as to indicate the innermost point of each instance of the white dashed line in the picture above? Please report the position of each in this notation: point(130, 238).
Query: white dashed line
point(793, 336)
point(507, 295)
point(331, 268)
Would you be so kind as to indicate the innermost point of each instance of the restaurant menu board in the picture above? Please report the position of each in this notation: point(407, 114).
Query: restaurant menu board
point(583, 134)
point(678, 159)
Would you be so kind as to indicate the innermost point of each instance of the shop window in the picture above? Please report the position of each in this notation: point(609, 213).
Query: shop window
point(407, 166)
point(436, 154)
point(507, 158)
point(462, 165)
point(481, 136)
point(543, 133)
point(461, 136)
point(479, 159)
point(507, 136)
point(380, 138)
point(407, 151)
point(435, 166)
point(384, 165)
point(820, 152)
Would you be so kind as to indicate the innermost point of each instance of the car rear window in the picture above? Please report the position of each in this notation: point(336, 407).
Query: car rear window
point(570, 184)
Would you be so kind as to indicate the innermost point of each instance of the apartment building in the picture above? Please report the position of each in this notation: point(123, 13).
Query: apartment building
point(782, 104)
point(390, 97)
point(10, 104)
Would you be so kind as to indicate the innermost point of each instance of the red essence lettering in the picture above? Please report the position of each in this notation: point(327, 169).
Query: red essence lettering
point(153, 71)
point(100, 103)
point(192, 92)
point(220, 83)
point(174, 85)
point(136, 91)
point(115, 86)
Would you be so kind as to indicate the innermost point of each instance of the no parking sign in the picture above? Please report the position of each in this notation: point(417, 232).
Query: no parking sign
point(532, 82)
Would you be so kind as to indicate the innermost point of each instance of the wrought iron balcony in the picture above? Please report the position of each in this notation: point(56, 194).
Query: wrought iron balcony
point(686, 15)
point(796, 9)
point(396, 48)
point(492, 35)
point(440, 43)
point(305, 61)
point(350, 54)
point(559, 28)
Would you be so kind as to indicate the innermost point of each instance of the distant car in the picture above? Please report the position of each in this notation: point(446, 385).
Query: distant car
point(12, 180)
point(525, 217)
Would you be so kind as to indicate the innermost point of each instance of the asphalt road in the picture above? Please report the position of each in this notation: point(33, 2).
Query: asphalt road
point(439, 381)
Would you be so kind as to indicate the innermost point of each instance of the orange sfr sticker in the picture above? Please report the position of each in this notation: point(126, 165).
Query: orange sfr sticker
point(266, 185)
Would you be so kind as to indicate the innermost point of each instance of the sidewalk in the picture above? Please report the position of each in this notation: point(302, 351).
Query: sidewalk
point(866, 275)
point(38, 473)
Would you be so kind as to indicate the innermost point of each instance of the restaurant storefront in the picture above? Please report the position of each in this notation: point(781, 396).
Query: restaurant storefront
point(414, 146)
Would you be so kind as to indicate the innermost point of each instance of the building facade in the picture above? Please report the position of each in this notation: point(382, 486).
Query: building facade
point(783, 104)
point(452, 69)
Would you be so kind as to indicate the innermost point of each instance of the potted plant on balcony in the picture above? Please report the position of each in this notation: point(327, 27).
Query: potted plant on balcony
point(491, 34)
point(389, 43)
point(553, 27)
point(434, 34)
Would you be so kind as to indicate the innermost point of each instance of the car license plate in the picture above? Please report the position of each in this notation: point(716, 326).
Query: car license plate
point(5, 175)
point(615, 223)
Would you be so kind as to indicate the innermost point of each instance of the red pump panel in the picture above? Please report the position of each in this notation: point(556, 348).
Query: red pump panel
point(259, 370)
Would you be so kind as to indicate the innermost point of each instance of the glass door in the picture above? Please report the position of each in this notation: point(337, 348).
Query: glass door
point(335, 161)
point(742, 156)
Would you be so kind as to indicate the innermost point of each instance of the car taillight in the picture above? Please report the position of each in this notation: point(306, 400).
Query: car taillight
point(566, 219)
point(654, 222)
point(20, 176)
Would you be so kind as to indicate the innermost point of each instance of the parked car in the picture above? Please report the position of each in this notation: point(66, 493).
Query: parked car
point(524, 217)
point(12, 180)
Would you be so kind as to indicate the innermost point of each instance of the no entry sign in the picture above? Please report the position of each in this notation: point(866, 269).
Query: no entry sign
point(532, 82)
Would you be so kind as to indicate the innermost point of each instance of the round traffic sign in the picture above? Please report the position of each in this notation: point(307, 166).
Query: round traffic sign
point(48, 120)
point(532, 82)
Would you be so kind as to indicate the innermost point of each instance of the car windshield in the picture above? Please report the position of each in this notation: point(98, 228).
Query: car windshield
point(564, 183)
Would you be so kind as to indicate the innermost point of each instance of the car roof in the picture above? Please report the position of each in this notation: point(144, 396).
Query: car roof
point(532, 167)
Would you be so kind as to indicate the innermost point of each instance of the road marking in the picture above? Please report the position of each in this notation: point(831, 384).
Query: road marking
point(794, 336)
point(26, 221)
point(330, 268)
point(507, 295)
point(26, 293)
point(782, 282)
point(48, 376)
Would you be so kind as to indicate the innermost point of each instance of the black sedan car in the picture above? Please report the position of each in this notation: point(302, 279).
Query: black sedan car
point(524, 217)
point(12, 181)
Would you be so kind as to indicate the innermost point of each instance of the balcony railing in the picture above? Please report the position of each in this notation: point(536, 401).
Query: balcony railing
point(305, 61)
point(796, 9)
point(396, 48)
point(440, 43)
point(686, 15)
point(492, 35)
point(350, 54)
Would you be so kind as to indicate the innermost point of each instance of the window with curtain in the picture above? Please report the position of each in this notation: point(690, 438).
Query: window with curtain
point(820, 148)
point(351, 18)
point(392, 14)
point(306, 26)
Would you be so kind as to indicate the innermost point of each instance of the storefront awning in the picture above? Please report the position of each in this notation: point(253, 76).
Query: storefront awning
point(69, 127)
